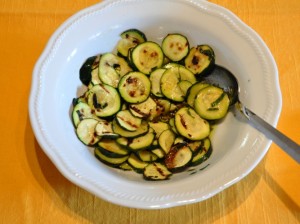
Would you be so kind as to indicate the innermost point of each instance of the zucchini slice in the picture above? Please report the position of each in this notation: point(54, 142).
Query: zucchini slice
point(147, 56)
point(212, 103)
point(86, 131)
point(178, 157)
point(172, 125)
point(144, 127)
point(155, 77)
point(112, 68)
point(161, 111)
point(134, 87)
point(104, 100)
point(144, 109)
point(85, 72)
point(129, 39)
point(138, 143)
point(127, 121)
point(125, 166)
point(158, 127)
point(137, 164)
point(171, 82)
point(166, 140)
point(110, 148)
point(146, 156)
point(200, 60)
point(95, 80)
point(203, 154)
point(104, 129)
point(190, 125)
point(159, 152)
point(82, 111)
point(156, 171)
point(193, 91)
point(175, 47)
point(195, 146)
point(111, 161)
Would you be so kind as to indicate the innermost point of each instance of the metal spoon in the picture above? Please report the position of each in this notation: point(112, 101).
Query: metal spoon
point(224, 79)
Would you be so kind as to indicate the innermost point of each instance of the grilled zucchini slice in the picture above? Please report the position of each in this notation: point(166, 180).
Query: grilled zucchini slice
point(129, 39)
point(134, 87)
point(193, 91)
point(86, 131)
point(175, 46)
point(155, 77)
point(137, 164)
point(143, 128)
point(147, 57)
point(156, 171)
point(166, 140)
point(203, 154)
point(81, 111)
point(144, 109)
point(110, 148)
point(212, 103)
point(200, 60)
point(138, 143)
point(110, 161)
point(85, 72)
point(112, 68)
point(174, 80)
point(127, 121)
point(104, 129)
point(190, 125)
point(178, 157)
point(104, 100)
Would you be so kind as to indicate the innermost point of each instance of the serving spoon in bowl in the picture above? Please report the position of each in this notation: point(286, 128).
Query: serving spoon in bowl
point(224, 79)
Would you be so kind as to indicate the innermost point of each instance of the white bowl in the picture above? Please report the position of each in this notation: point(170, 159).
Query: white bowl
point(238, 148)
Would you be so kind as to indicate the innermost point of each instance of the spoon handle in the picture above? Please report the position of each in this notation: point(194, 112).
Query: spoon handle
point(288, 145)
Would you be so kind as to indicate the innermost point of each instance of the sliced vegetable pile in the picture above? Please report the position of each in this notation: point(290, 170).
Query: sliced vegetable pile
point(145, 108)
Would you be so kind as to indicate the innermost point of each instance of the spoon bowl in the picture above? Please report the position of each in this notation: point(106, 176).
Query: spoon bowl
point(223, 78)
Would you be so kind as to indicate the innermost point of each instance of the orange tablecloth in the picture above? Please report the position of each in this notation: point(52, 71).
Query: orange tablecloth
point(33, 191)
